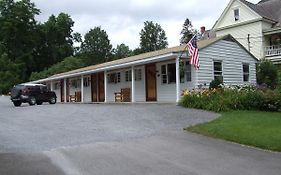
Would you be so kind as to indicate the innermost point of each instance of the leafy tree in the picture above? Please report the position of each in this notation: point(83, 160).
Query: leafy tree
point(67, 64)
point(77, 38)
point(17, 27)
point(96, 47)
point(267, 73)
point(187, 31)
point(55, 41)
point(121, 51)
point(152, 37)
point(9, 73)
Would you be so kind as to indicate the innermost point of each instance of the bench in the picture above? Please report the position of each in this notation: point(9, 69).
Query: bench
point(123, 96)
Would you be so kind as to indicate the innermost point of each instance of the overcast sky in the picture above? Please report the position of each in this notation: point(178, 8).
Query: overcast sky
point(123, 19)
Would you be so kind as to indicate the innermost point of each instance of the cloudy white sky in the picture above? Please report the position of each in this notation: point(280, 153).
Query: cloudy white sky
point(123, 19)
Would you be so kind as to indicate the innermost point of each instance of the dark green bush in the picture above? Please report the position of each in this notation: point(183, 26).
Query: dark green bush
point(267, 73)
point(215, 84)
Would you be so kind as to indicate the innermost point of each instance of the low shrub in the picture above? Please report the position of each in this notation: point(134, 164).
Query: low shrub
point(215, 84)
point(233, 98)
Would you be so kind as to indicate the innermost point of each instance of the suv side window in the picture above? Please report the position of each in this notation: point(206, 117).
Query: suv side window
point(43, 89)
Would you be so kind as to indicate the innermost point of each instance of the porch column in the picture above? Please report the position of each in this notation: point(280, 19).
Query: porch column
point(64, 82)
point(51, 86)
point(82, 89)
point(105, 86)
point(133, 85)
point(178, 79)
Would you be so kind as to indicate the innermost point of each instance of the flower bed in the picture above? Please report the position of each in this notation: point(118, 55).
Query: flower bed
point(232, 98)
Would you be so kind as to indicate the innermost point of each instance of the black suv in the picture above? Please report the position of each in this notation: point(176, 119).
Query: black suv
point(32, 94)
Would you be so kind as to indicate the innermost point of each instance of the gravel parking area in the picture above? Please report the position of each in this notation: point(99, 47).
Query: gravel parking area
point(46, 127)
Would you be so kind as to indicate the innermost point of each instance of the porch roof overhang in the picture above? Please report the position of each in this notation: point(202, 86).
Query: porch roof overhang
point(272, 31)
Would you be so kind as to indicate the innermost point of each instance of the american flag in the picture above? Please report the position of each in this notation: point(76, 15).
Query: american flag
point(193, 52)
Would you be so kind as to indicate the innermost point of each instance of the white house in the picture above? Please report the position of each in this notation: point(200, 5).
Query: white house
point(158, 76)
point(256, 26)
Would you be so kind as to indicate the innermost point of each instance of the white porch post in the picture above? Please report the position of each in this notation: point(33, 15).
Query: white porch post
point(178, 79)
point(82, 89)
point(64, 82)
point(52, 87)
point(133, 85)
point(105, 86)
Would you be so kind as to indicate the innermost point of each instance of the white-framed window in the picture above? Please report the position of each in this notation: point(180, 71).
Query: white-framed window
point(56, 85)
point(236, 14)
point(246, 72)
point(218, 70)
point(164, 74)
point(114, 77)
point(168, 73)
point(86, 81)
point(188, 71)
point(128, 75)
point(138, 74)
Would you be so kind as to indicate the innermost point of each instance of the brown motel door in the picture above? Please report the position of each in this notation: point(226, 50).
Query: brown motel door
point(62, 90)
point(94, 87)
point(97, 83)
point(150, 74)
point(101, 86)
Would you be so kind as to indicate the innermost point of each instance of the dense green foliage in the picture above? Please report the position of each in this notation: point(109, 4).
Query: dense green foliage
point(233, 98)
point(152, 37)
point(67, 64)
point(259, 129)
point(27, 46)
point(121, 51)
point(187, 31)
point(267, 73)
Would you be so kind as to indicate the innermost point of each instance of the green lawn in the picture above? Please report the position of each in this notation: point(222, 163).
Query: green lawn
point(259, 129)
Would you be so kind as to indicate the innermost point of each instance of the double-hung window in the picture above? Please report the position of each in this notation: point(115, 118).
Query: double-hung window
point(168, 73)
point(128, 75)
point(236, 14)
point(114, 77)
point(138, 74)
point(246, 72)
point(218, 70)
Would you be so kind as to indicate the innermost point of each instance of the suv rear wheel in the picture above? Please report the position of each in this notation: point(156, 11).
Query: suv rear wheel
point(53, 100)
point(32, 101)
point(17, 103)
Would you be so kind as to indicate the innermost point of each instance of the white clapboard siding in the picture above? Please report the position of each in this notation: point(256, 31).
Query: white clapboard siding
point(240, 33)
point(246, 14)
point(167, 92)
point(232, 57)
point(116, 87)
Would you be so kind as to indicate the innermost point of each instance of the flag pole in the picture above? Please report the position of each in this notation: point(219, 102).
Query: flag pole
point(186, 46)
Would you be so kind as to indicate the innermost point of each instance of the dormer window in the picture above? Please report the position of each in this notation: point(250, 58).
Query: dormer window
point(236, 14)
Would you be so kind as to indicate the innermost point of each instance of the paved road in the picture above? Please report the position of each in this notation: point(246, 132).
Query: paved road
point(118, 139)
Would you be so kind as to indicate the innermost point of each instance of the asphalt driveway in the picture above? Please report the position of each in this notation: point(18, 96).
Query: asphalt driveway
point(118, 139)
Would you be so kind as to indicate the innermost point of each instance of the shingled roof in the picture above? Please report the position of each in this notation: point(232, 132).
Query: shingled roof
point(178, 49)
point(268, 9)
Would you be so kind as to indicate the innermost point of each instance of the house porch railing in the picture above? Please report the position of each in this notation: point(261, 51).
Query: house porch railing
point(274, 50)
